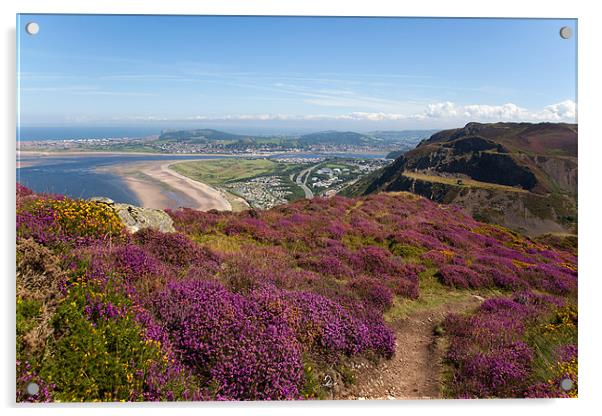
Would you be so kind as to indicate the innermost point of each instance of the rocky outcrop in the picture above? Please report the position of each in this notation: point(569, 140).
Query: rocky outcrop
point(474, 167)
point(563, 171)
point(529, 213)
point(476, 158)
point(137, 218)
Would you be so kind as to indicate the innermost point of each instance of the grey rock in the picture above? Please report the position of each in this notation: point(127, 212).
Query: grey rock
point(102, 200)
point(137, 218)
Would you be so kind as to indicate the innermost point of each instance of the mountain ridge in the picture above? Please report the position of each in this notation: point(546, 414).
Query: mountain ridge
point(464, 165)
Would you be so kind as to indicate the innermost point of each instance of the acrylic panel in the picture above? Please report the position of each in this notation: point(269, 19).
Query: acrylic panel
point(295, 208)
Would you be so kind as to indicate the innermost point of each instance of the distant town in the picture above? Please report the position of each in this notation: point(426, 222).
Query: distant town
point(208, 141)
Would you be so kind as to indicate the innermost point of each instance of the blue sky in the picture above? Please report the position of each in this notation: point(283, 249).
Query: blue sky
point(291, 72)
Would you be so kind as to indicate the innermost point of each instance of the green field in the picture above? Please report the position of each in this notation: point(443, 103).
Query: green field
point(226, 172)
point(218, 172)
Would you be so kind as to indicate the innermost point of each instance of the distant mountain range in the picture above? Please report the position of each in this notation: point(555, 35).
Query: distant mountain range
point(520, 175)
point(404, 139)
point(336, 138)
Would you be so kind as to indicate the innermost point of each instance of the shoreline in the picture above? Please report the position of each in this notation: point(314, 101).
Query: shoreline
point(40, 153)
point(103, 153)
point(157, 186)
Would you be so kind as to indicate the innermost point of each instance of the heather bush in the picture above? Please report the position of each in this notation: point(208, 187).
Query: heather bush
point(407, 287)
point(192, 222)
point(129, 262)
point(373, 292)
point(253, 227)
point(264, 265)
point(176, 249)
point(23, 194)
point(499, 277)
point(552, 279)
point(323, 323)
point(23, 191)
point(326, 264)
point(462, 277)
point(495, 353)
point(242, 351)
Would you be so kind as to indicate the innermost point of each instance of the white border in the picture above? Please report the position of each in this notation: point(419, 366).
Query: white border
point(590, 152)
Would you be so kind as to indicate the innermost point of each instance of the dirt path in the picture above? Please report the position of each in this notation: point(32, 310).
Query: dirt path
point(415, 370)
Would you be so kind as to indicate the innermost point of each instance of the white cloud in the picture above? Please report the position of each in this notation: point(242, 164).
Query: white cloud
point(507, 111)
point(443, 112)
point(440, 110)
point(473, 112)
point(562, 111)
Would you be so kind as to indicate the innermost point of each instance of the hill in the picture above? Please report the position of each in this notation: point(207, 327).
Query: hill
point(299, 301)
point(410, 137)
point(477, 166)
point(394, 154)
point(201, 136)
point(335, 138)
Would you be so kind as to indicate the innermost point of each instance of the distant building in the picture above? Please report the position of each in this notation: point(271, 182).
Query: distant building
point(324, 171)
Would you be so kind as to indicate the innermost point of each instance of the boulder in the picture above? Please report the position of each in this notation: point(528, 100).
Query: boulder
point(137, 218)
point(102, 200)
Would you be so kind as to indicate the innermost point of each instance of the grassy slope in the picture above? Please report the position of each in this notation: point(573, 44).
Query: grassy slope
point(218, 172)
point(465, 182)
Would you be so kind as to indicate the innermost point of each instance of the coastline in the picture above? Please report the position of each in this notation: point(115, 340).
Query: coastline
point(157, 186)
point(20, 164)
point(37, 153)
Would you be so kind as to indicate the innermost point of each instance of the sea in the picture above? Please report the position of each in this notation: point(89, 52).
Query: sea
point(35, 133)
point(79, 176)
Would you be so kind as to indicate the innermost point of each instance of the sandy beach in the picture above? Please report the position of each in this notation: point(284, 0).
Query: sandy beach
point(157, 186)
point(24, 164)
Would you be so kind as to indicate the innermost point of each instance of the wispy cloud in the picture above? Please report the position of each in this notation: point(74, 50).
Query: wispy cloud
point(85, 90)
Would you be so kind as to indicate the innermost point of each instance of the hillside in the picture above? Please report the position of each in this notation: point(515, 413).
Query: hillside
point(200, 135)
point(474, 167)
point(335, 138)
point(403, 138)
point(309, 300)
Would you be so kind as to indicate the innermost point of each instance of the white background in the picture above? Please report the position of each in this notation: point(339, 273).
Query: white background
point(590, 251)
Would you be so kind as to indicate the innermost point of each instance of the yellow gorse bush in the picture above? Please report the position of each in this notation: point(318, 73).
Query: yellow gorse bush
point(83, 218)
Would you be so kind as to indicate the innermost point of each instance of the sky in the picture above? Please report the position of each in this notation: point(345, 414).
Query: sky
point(293, 72)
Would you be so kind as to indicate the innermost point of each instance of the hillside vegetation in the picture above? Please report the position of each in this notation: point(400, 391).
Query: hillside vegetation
point(465, 166)
point(280, 304)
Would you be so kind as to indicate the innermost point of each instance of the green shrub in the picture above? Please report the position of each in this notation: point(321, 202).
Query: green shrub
point(406, 250)
point(99, 352)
